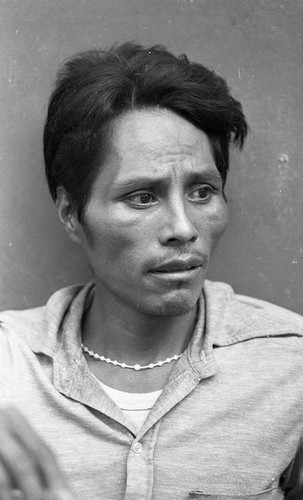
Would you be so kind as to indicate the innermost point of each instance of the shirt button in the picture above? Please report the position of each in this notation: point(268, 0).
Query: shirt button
point(137, 448)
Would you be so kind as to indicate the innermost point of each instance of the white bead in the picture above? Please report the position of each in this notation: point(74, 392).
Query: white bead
point(137, 367)
point(123, 365)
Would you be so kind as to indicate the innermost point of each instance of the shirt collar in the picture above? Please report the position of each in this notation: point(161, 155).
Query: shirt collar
point(232, 318)
point(61, 337)
point(62, 320)
point(223, 319)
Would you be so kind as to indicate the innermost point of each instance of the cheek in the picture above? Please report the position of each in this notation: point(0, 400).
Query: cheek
point(116, 243)
point(220, 222)
point(215, 223)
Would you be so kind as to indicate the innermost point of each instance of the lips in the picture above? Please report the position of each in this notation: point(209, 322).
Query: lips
point(178, 265)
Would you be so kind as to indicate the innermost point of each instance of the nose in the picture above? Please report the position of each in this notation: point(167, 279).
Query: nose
point(178, 227)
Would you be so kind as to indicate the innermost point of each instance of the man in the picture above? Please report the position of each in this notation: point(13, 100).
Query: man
point(150, 382)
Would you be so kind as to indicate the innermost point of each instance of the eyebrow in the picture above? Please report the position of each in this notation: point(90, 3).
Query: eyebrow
point(145, 181)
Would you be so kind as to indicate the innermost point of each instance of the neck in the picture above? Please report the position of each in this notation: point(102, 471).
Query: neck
point(118, 332)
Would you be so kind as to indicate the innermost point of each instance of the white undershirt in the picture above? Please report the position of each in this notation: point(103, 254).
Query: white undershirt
point(135, 406)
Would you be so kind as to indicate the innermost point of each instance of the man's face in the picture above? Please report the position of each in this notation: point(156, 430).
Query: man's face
point(155, 212)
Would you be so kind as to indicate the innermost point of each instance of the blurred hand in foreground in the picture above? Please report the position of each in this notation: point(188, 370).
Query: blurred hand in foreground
point(26, 463)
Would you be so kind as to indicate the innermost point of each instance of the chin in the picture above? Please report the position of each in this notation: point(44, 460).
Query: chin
point(174, 309)
point(177, 306)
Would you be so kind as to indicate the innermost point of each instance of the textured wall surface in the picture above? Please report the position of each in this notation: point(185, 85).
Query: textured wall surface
point(256, 45)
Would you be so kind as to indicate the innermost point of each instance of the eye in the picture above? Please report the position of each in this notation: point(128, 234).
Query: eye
point(201, 194)
point(141, 200)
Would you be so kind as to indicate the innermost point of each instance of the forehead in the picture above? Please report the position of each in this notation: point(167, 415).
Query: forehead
point(155, 144)
point(157, 133)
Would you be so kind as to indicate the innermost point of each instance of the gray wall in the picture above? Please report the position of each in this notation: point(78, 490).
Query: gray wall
point(257, 45)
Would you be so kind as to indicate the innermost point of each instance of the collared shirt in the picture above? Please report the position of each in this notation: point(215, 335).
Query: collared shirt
point(226, 426)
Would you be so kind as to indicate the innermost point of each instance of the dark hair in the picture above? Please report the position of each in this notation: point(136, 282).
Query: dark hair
point(94, 87)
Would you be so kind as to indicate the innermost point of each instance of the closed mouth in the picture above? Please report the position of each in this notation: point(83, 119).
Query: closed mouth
point(178, 265)
point(175, 269)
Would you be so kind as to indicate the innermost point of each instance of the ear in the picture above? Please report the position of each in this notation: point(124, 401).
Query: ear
point(67, 215)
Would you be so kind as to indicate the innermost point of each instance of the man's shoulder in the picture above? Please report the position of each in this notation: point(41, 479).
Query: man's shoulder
point(27, 323)
point(21, 320)
point(18, 329)
point(243, 317)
